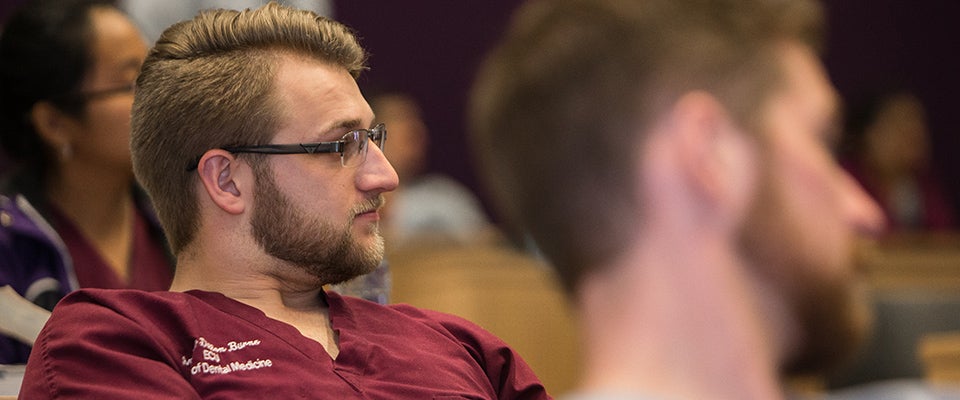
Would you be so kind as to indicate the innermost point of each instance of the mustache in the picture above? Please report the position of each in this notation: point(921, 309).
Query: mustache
point(369, 205)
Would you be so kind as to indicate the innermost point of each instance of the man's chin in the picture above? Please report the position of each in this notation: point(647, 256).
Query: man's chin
point(365, 228)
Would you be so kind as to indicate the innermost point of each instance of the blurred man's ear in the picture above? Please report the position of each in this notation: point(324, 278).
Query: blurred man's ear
point(714, 159)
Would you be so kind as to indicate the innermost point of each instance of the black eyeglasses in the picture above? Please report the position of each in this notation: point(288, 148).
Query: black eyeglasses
point(352, 147)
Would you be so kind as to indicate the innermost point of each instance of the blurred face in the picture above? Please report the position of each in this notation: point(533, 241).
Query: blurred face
point(897, 139)
point(310, 211)
point(103, 136)
point(408, 134)
point(801, 235)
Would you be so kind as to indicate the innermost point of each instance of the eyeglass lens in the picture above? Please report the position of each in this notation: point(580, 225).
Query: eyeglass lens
point(355, 145)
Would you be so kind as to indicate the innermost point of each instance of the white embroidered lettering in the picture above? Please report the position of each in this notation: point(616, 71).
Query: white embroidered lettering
point(234, 346)
point(209, 355)
point(252, 364)
point(213, 355)
point(207, 345)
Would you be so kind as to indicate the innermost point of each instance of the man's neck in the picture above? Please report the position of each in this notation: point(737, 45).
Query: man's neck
point(296, 302)
point(677, 323)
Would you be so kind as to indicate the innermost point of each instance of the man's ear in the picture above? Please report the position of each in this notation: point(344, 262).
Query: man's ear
point(716, 157)
point(221, 176)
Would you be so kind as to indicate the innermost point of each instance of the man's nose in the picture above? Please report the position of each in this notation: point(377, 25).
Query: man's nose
point(376, 173)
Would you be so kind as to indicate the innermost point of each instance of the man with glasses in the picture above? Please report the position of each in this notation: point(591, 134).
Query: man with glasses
point(671, 159)
point(265, 165)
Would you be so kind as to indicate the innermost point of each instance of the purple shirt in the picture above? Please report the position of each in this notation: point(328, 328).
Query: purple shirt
point(36, 263)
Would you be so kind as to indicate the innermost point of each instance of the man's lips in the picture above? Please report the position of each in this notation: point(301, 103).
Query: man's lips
point(370, 208)
point(372, 213)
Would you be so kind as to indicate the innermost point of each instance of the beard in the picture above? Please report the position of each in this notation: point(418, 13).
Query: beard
point(829, 310)
point(327, 252)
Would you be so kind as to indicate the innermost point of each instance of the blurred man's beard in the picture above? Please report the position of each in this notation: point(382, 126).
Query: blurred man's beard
point(329, 253)
point(833, 314)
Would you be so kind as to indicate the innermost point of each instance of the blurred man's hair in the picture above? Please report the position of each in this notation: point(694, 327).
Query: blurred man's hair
point(561, 105)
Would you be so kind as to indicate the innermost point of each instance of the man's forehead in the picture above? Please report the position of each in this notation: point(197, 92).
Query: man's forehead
point(805, 89)
point(804, 72)
point(320, 95)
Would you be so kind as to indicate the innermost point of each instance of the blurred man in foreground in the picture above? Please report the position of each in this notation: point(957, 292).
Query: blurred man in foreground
point(671, 159)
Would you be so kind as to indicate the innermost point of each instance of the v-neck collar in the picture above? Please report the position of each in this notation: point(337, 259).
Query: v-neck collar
point(341, 320)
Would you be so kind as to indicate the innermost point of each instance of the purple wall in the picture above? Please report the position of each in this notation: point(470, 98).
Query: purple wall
point(913, 44)
point(431, 48)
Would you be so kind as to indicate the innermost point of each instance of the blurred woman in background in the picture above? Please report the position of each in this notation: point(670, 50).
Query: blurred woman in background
point(71, 214)
point(889, 153)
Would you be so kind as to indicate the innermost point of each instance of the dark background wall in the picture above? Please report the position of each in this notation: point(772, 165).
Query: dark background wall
point(431, 48)
point(912, 44)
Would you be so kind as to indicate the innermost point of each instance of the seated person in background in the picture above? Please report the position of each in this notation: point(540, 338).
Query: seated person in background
point(426, 206)
point(889, 153)
point(670, 158)
point(71, 214)
point(262, 158)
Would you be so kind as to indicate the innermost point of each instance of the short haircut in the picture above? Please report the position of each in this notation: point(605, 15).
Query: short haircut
point(208, 83)
point(561, 104)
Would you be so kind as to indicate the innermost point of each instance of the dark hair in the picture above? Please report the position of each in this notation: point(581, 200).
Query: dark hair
point(44, 56)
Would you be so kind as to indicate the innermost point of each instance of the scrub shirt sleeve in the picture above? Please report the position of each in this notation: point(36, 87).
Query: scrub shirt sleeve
point(507, 371)
point(95, 350)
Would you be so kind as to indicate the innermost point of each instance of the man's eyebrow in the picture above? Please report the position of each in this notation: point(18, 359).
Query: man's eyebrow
point(347, 124)
point(338, 128)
